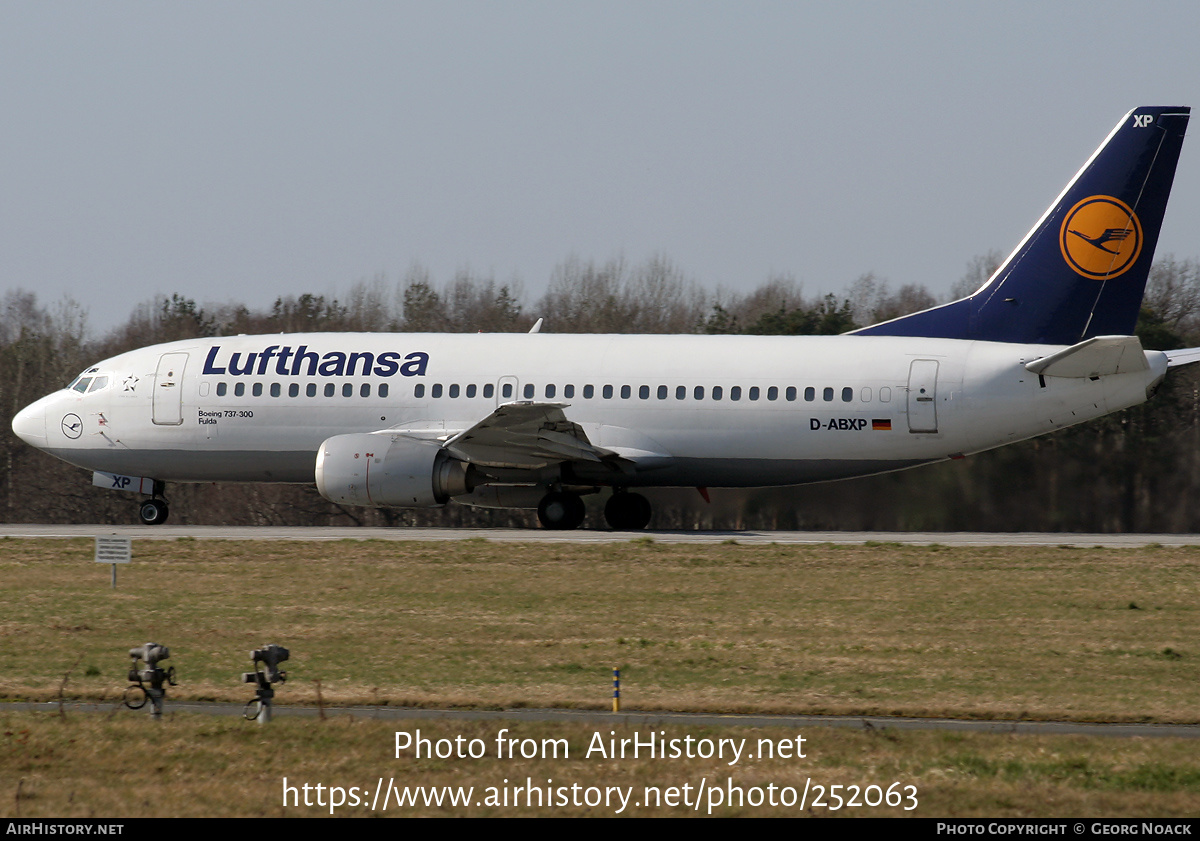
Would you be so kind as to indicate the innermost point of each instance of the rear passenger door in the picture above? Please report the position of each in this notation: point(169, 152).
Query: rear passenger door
point(922, 395)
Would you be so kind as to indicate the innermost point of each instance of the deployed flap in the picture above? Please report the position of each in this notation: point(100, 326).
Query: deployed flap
point(1097, 357)
point(526, 435)
point(1186, 356)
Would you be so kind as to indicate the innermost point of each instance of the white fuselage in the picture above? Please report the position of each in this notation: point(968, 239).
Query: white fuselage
point(717, 411)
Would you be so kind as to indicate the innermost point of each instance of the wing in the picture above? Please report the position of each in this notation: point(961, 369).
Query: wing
point(527, 435)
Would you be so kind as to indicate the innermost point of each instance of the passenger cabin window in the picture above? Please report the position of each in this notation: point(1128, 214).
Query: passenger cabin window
point(311, 389)
point(528, 391)
point(221, 388)
point(827, 394)
point(589, 392)
point(294, 390)
point(239, 390)
point(329, 389)
point(568, 391)
point(275, 390)
point(419, 390)
point(847, 395)
point(489, 391)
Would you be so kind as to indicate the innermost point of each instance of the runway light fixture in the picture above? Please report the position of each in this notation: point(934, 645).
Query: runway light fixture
point(148, 684)
point(271, 656)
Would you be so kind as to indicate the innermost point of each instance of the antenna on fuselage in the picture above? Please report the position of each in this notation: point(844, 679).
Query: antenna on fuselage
point(537, 326)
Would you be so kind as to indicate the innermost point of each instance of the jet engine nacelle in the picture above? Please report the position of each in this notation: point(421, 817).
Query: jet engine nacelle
point(383, 470)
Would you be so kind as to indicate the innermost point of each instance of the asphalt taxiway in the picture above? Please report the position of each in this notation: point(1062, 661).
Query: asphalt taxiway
point(653, 719)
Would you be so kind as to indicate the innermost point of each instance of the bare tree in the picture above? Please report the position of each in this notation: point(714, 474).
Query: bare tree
point(1173, 294)
point(980, 268)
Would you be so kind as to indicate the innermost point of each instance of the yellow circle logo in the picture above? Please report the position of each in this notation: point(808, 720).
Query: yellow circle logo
point(1101, 237)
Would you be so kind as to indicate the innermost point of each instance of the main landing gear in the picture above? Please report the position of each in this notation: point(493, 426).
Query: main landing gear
point(627, 511)
point(153, 512)
point(561, 510)
point(564, 510)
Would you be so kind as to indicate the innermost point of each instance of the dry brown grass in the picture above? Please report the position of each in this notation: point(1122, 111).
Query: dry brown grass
point(198, 766)
point(1007, 632)
point(1010, 632)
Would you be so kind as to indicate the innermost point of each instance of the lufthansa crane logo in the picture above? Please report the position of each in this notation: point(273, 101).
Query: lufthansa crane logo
point(72, 426)
point(1101, 237)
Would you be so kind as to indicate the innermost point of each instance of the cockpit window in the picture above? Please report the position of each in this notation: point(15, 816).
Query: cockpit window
point(82, 382)
point(98, 383)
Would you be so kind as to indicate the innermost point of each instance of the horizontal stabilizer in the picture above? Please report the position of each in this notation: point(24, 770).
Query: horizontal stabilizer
point(1098, 357)
point(1186, 356)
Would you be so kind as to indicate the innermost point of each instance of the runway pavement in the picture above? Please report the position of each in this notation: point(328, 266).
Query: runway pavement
point(1111, 541)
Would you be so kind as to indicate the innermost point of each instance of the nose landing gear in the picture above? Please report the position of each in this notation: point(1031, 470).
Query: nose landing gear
point(153, 512)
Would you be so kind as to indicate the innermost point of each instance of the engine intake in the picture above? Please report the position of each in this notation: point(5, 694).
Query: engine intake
point(388, 471)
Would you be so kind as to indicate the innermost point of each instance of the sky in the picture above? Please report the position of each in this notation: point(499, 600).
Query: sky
point(240, 151)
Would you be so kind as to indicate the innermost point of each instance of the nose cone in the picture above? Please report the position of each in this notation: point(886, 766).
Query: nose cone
point(30, 424)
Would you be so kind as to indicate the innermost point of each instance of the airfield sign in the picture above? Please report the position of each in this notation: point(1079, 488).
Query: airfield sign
point(114, 550)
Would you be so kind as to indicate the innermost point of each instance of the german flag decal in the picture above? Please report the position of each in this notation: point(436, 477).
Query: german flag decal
point(881, 424)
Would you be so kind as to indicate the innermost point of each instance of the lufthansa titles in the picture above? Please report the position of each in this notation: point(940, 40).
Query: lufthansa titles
point(287, 361)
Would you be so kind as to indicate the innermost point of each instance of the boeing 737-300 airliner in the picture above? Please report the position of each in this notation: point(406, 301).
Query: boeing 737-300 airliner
point(537, 420)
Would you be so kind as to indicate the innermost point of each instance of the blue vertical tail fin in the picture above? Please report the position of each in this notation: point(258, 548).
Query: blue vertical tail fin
point(1081, 271)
